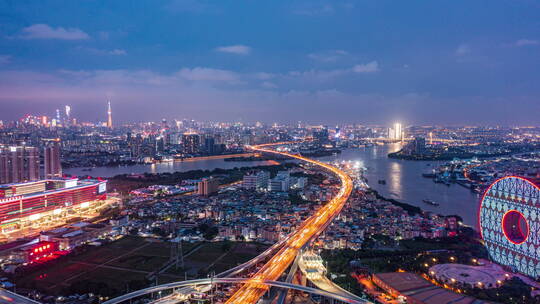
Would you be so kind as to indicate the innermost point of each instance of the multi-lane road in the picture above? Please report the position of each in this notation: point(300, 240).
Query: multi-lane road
point(8, 297)
point(252, 291)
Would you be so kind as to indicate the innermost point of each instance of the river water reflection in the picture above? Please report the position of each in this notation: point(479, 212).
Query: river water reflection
point(404, 182)
point(209, 164)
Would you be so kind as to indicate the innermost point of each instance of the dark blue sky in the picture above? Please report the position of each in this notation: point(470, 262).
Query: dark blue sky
point(421, 62)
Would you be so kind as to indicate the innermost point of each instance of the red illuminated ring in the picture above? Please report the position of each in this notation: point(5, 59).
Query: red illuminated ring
point(479, 221)
point(503, 225)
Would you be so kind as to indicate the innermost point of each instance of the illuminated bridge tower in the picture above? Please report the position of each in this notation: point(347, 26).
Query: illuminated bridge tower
point(509, 222)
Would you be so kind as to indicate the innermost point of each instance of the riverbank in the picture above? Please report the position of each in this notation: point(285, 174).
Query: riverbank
point(164, 167)
point(456, 154)
point(412, 210)
point(264, 157)
point(126, 182)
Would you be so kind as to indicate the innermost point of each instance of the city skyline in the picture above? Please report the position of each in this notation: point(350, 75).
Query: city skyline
point(250, 152)
point(317, 62)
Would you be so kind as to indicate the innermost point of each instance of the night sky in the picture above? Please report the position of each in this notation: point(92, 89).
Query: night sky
point(419, 62)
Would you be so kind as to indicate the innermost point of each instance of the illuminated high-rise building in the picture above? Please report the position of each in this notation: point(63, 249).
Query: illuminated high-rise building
point(68, 115)
point(191, 143)
point(18, 164)
point(109, 115)
point(396, 132)
point(51, 159)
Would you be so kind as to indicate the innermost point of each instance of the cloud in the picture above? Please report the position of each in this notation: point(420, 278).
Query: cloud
point(235, 49)
point(463, 49)
point(208, 74)
point(264, 75)
point(315, 9)
point(526, 42)
point(143, 95)
point(117, 52)
point(103, 35)
point(328, 75)
point(318, 75)
point(201, 76)
point(5, 59)
point(369, 67)
point(114, 52)
point(44, 31)
point(322, 8)
point(327, 56)
point(269, 85)
point(189, 6)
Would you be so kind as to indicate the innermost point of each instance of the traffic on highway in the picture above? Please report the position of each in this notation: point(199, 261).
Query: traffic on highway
point(252, 291)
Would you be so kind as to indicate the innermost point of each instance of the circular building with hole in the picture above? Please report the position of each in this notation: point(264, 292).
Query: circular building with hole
point(509, 222)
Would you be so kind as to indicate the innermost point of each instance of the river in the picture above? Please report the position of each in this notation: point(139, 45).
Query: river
point(404, 181)
point(209, 164)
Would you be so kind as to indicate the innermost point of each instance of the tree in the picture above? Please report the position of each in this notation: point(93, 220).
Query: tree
point(211, 233)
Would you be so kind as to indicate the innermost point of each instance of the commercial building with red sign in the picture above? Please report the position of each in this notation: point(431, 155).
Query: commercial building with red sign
point(23, 204)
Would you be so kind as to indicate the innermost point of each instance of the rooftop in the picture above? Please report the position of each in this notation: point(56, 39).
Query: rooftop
point(403, 281)
point(414, 286)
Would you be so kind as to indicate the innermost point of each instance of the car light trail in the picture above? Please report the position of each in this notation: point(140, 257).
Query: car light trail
point(252, 291)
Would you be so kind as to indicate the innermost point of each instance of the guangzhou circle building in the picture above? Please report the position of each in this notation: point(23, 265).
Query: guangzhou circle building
point(509, 220)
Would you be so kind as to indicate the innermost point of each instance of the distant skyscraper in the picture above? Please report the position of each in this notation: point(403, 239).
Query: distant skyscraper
point(52, 164)
point(18, 164)
point(191, 143)
point(209, 144)
point(164, 125)
point(109, 115)
point(320, 134)
point(68, 115)
point(160, 144)
point(396, 132)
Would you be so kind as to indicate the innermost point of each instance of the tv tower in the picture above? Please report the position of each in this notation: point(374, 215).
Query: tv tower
point(109, 114)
